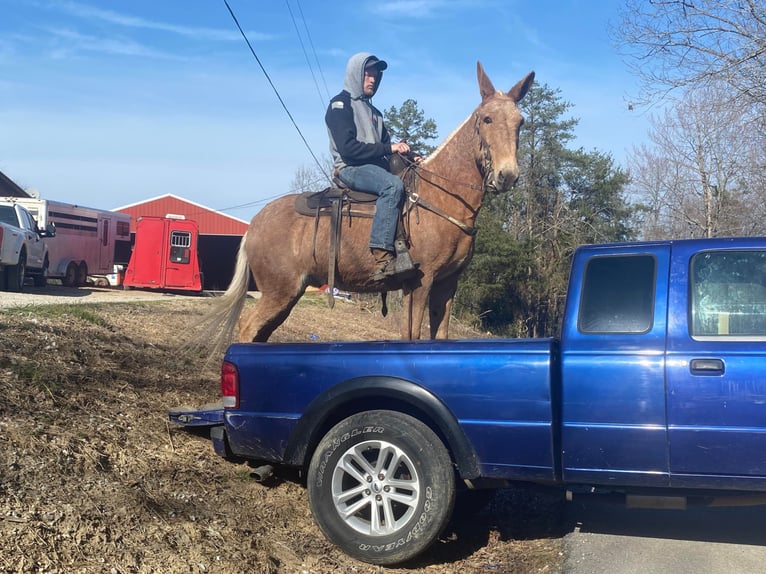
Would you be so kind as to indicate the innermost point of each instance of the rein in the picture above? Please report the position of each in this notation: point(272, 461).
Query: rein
point(415, 200)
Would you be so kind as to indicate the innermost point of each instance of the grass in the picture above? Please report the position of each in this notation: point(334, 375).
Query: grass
point(83, 312)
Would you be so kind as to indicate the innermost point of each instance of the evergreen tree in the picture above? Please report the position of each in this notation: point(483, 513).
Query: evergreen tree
point(408, 124)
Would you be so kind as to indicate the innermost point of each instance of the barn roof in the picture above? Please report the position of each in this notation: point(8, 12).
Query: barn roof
point(9, 188)
point(210, 221)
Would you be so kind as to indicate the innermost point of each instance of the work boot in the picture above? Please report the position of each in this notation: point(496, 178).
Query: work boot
point(389, 266)
point(384, 264)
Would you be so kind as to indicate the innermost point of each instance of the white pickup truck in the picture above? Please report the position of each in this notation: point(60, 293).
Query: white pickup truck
point(23, 253)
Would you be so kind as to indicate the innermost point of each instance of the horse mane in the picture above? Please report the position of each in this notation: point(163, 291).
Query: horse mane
point(446, 141)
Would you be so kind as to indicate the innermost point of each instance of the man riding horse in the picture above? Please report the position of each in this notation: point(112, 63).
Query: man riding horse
point(361, 146)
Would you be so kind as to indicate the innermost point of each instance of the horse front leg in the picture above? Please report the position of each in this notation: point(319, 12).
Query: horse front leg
point(414, 307)
point(440, 306)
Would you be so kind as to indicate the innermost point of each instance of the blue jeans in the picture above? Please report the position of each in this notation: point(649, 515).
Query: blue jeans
point(390, 191)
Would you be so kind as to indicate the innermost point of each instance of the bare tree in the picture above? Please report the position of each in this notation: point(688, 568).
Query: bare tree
point(686, 43)
point(312, 177)
point(703, 177)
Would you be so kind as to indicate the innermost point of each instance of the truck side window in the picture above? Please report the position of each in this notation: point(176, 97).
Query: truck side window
point(728, 294)
point(618, 294)
point(8, 215)
point(180, 246)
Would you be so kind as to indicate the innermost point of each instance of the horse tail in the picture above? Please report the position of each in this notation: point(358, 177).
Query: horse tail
point(216, 328)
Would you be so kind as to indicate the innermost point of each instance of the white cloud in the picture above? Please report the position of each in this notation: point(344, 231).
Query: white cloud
point(127, 21)
point(419, 8)
point(73, 42)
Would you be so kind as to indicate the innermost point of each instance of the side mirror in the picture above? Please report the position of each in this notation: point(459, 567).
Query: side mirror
point(50, 231)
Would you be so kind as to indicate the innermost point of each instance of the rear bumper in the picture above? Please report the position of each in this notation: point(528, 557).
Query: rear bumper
point(208, 416)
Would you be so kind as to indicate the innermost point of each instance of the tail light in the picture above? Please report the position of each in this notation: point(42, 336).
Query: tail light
point(230, 385)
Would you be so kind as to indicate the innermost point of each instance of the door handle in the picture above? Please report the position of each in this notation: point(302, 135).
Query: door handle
point(706, 367)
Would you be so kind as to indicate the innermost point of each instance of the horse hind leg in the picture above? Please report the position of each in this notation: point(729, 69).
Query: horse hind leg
point(269, 313)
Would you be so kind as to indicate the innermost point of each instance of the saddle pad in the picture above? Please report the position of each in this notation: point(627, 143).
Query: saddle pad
point(308, 203)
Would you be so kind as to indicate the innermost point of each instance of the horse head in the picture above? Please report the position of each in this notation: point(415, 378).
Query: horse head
point(498, 121)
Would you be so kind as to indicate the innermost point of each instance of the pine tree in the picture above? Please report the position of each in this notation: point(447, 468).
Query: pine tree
point(408, 124)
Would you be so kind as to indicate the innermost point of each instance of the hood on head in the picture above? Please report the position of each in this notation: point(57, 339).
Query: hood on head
point(354, 83)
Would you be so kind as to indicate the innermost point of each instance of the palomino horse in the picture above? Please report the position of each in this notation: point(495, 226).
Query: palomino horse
point(285, 257)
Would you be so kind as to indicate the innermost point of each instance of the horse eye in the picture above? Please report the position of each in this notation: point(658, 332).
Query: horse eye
point(487, 120)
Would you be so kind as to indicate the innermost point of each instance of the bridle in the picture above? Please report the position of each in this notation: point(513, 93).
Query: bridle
point(414, 173)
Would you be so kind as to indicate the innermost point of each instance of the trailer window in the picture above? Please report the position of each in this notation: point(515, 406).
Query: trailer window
point(618, 295)
point(180, 246)
point(728, 295)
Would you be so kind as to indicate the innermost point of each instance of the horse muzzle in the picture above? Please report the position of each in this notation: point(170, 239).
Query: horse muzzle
point(502, 180)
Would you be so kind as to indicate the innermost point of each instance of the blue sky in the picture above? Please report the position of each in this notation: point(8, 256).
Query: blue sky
point(109, 103)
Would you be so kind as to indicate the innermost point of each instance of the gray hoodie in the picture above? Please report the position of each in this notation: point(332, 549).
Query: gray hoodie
point(355, 126)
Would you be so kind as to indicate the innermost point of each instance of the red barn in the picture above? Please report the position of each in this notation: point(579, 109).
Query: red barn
point(219, 234)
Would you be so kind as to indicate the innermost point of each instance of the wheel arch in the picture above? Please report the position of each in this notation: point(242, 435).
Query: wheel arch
point(379, 393)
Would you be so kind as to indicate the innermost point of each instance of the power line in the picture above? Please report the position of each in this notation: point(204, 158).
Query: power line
point(303, 47)
point(313, 50)
point(273, 87)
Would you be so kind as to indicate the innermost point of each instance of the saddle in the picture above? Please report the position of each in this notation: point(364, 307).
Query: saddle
point(339, 200)
point(318, 203)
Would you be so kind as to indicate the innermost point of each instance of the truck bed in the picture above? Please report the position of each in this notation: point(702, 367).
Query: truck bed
point(464, 375)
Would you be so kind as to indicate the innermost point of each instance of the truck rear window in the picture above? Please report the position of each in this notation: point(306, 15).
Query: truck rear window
point(618, 294)
point(728, 294)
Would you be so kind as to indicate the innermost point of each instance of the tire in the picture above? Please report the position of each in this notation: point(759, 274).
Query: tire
point(41, 279)
point(381, 486)
point(82, 274)
point(70, 275)
point(14, 274)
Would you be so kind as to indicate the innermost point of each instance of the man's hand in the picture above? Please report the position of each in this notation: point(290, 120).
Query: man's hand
point(400, 147)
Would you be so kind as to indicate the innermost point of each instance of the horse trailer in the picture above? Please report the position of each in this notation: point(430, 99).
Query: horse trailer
point(88, 241)
point(165, 254)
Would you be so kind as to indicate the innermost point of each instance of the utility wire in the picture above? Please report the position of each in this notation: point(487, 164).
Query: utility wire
point(273, 87)
point(308, 61)
point(313, 50)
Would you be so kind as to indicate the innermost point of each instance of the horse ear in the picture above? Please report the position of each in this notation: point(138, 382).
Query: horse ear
point(485, 85)
point(517, 92)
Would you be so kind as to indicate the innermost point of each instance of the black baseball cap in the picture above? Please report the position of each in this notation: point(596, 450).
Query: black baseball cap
point(374, 62)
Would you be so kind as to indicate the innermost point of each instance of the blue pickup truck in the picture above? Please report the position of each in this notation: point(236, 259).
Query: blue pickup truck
point(656, 388)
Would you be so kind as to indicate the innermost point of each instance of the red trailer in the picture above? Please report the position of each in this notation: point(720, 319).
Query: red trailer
point(165, 254)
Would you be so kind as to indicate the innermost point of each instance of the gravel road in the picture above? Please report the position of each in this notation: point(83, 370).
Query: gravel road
point(56, 294)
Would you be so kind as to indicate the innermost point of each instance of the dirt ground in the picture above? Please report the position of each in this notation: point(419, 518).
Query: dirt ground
point(93, 478)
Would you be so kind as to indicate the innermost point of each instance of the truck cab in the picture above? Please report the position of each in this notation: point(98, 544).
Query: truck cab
point(662, 362)
point(23, 252)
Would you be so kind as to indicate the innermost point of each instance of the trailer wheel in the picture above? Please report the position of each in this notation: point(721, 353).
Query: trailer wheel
point(14, 274)
point(381, 486)
point(70, 276)
point(82, 274)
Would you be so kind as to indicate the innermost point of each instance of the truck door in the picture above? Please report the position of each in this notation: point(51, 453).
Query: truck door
point(717, 368)
point(613, 368)
point(35, 245)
